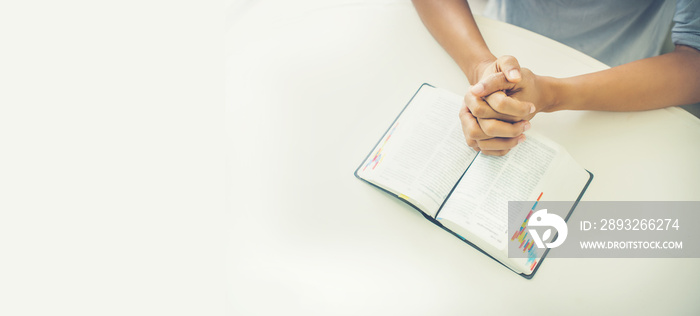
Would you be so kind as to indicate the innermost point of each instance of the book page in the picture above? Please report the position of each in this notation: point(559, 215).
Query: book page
point(479, 203)
point(424, 153)
point(477, 210)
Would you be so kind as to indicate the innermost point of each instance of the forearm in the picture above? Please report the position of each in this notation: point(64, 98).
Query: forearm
point(651, 83)
point(452, 24)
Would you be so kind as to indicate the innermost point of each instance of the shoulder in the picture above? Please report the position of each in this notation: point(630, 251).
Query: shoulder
point(686, 28)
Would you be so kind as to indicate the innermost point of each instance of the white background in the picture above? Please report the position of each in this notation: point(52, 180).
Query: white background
point(111, 158)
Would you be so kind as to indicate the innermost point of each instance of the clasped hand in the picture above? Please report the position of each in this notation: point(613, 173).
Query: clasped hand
point(497, 110)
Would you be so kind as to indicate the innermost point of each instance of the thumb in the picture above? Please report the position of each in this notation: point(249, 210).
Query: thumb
point(490, 84)
point(510, 67)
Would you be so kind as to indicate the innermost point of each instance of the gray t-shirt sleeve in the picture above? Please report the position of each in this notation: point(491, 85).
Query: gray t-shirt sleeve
point(686, 30)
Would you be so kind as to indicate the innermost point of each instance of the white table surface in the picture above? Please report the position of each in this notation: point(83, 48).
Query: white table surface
point(312, 85)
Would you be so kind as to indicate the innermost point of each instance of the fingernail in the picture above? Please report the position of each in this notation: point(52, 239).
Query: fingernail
point(514, 74)
point(477, 88)
point(521, 139)
point(532, 108)
point(526, 126)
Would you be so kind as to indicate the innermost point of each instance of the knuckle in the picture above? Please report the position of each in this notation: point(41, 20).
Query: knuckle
point(507, 106)
point(508, 57)
point(468, 101)
point(499, 105)
point(494, 82)
point(508, 62)
point(511, 131)
point(514, 108)
point(466, 119)
point(473, 133)
point(485, 144)
point(478, 110)
point(488, 128)
point(463, 116)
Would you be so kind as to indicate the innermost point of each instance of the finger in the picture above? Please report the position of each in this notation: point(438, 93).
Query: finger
point(480, 109)
point(510, 67)
point(498, 128)
point(473, 144)
point(472, 130)
point(509, 106)
point(495, 152)
point(470, 142)
point(500, 143)
point(490, 84)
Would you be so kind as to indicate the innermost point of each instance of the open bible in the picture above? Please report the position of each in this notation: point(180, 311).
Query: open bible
point(424, 160)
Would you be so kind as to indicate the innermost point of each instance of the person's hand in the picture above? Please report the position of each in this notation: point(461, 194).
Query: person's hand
point(491, 136)
point(497, 111)
point(495, 137)
point(506, 100)
point(508, 65)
